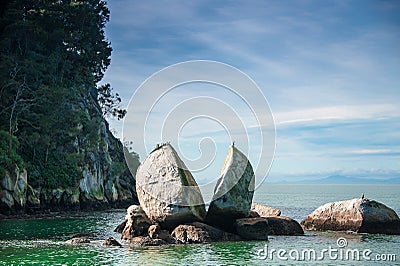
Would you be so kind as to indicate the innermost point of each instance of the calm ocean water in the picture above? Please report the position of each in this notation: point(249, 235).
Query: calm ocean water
point(41, 241)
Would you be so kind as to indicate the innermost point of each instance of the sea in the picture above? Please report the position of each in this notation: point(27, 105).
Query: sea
point(42, 241)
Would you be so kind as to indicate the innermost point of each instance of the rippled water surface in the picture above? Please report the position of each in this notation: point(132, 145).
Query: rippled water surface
point(41, 241)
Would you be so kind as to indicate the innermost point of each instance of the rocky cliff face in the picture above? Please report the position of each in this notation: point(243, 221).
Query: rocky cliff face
point(104, 179)
point(13, 190)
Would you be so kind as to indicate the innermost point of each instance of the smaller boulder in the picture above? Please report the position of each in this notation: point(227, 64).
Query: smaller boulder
point(144, 241)
point(281, 225)
point(263, 211)
point(198, 232)
point(359, 215)
point(111, 242)
point(137, 223)
point(252, 228)
point(155, 232)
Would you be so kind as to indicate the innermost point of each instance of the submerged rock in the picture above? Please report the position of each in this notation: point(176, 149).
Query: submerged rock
point(137, 223)
point(264, 211)
point(234, 191)
point(166, 190)
point(252, 228)
point(111, 242)
point(198, 232)
point(281, 225)
point(77, 241)
point(142, 241)
point(359, 215)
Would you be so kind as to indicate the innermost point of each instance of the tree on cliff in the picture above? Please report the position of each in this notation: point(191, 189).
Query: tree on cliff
point(53, 53)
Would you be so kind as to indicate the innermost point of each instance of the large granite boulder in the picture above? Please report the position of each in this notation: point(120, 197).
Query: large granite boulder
point(234, 191)
point(282, 225)
point(137, 223)
point(197, 232)
point(359, 215)
point(166, 190)
point(264, 211)
point(252, 228)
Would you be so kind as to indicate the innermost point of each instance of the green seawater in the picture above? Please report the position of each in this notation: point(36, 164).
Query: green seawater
point(41, 241)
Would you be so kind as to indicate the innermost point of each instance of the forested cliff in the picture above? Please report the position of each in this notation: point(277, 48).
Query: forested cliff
point(56, 149)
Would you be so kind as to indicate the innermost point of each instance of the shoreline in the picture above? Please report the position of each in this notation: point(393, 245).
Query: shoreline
point(55, 215)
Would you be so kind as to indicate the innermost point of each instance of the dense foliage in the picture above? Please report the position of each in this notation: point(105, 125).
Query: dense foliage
point(53, 53)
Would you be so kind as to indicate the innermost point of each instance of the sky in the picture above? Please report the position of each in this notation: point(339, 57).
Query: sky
point(330, 71)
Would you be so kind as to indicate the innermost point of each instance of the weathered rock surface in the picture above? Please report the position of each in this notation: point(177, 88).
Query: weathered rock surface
point(234, 191)
point(111, 242)
point(155, 232)
point(139, 231)
point(198, 232)
point(252, 228)
point(281, 225)
point(142, 241)
point(264, 211)
point(358, 215)
point(13, 191)
point(106, 181)
point(166, 190)
point(137, 223)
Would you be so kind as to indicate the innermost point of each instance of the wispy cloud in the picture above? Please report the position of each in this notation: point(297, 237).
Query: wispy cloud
point(330, 71)
point(375, 152)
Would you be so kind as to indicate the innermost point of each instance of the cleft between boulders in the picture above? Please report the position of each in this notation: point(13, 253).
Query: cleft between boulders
point(172, 209)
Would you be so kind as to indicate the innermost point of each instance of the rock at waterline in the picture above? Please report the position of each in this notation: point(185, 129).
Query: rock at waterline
point(234, 191)
point(264, 211)
point(77, 241)
point(155, 232)
point(198, 232)
point(111, 242)
point(252, 228)
point(143, 241)
point(137, 223)
point(80, 238)
point(360, 215)
point(259, 228)
point(283, 226)
point(166, 190)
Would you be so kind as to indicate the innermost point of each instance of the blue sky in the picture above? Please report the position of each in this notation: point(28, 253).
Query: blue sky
point(330, 71)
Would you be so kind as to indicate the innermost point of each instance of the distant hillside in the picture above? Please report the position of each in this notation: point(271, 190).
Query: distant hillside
point(338, 179)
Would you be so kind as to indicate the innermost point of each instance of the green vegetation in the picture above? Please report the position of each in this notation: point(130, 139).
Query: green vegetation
point(8, 153)
point(53, 53)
